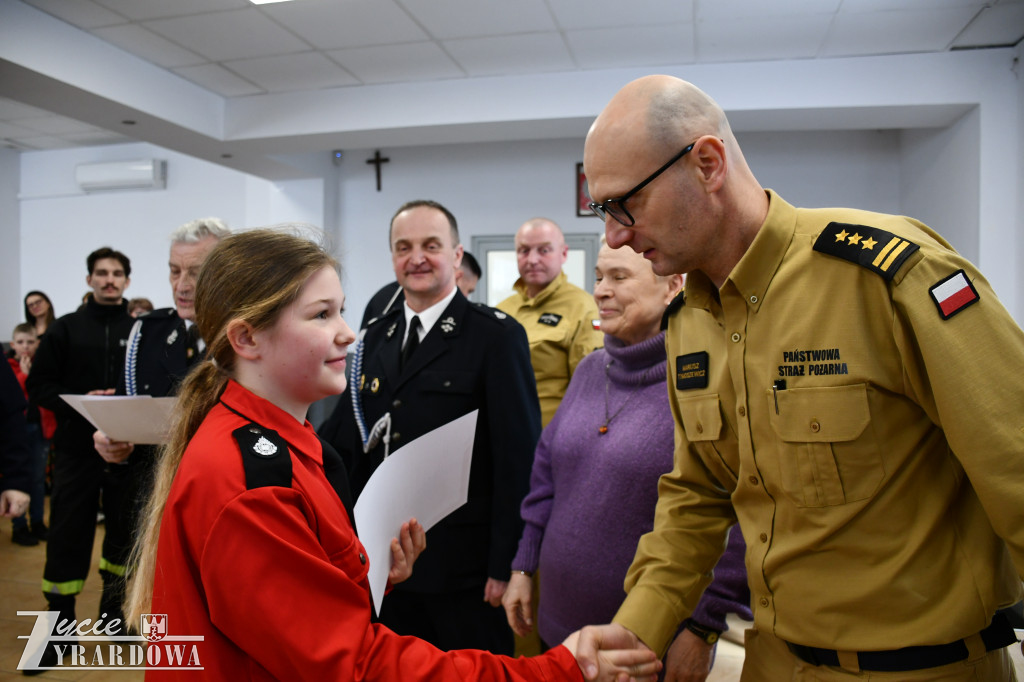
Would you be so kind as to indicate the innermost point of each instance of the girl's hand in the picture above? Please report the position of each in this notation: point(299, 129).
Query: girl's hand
point(411, 540)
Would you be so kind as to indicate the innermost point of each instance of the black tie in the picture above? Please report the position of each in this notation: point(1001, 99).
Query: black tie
point(413, 342)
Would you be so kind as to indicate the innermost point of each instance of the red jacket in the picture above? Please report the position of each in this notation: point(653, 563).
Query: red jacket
point(274, 578)
point(47, 422)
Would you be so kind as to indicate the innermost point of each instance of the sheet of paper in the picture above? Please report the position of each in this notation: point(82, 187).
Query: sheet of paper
point(426, 479)
point(135, 419)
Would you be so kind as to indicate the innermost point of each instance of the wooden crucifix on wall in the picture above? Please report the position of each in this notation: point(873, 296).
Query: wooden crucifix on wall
point(377, 161)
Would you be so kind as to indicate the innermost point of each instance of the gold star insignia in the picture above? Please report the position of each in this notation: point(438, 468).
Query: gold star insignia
point(868, 244)
point(855, 239)
point(842, 235)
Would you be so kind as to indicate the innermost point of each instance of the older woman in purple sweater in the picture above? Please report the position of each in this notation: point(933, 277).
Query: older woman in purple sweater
point(594, 483)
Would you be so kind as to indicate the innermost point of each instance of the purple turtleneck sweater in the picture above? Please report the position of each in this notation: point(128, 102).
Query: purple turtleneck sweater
point(593, 495)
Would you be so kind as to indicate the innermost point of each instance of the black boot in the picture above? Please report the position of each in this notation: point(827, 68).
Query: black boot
point(65, 605)
point(111, 604)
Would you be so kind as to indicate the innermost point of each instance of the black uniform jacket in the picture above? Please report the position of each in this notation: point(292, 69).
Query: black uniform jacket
point(160, 353)
point(474, 357)
point(82, 351)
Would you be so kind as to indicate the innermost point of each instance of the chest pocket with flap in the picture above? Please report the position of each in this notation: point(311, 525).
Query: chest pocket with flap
point(828, 454)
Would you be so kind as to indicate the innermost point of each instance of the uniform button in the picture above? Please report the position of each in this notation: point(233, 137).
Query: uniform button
point(700, 428)
point(735, 337)
point(764, 602)
point(362, 558)
point(395, 435)
point(815, 426)
point(764, 537)
point(447, 384)
point(753, 480)
point(753, 299)
point(397, 403)
point(743, 411)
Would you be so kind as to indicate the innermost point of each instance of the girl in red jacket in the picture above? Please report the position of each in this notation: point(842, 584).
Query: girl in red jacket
point(248, 541)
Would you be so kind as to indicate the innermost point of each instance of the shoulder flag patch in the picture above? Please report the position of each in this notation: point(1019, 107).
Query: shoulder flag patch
point(869, 247)
point(953, 294)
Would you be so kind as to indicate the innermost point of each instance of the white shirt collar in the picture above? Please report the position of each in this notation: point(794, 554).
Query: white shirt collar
point(427, 317)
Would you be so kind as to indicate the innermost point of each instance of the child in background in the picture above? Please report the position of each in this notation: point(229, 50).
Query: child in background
point(41, 425)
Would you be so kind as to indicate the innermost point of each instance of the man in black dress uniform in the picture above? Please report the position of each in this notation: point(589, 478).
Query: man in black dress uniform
point(162, 347)
point(458, 357)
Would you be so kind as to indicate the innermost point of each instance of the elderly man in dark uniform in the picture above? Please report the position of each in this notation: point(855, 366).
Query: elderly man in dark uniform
point(162, 347)
point(431, 359)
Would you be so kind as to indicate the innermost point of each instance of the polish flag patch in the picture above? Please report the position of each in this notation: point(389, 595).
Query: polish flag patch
point(953, 294)
point(596, 325)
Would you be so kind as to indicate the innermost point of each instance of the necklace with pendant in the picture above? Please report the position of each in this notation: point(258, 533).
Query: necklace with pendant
point(603, 429)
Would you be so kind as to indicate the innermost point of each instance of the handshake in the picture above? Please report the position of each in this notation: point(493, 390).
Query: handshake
point(612, 653)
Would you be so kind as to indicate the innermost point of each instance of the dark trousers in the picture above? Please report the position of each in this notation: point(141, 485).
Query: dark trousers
point(81, 481)
point(449, 620)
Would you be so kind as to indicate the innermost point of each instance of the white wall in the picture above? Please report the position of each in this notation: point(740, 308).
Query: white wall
point(962, 177)
point(11, 309)
point(60, 225)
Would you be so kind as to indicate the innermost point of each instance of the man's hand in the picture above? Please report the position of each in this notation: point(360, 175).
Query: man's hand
point(688, 659)
point(103, 391)
point(493, 591)
point(13, 503)
point(113, 451)
point(612, 653)
point(518, 603)
point(411, 540)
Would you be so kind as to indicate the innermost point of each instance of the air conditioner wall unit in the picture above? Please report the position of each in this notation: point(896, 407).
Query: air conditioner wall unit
point(114, 175)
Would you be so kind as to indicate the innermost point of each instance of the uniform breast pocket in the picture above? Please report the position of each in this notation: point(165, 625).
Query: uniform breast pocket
point(351, 559)
point(828, 454)
point(448, 381)
point(709, 436)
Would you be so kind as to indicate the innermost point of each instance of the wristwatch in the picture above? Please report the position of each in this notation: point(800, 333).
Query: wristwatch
point(709, 635)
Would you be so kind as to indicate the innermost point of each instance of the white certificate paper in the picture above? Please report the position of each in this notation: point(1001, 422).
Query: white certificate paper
point(139, 419)
point(426, 479)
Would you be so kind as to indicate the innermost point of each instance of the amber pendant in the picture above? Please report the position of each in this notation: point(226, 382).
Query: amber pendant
point(603, 429)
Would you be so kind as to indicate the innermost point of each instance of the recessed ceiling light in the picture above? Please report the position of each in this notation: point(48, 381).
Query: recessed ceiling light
point(266, 2)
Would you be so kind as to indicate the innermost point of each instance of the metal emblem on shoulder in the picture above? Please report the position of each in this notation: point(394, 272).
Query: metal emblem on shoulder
point(500, 315)
point(448, 324)
point(374, 385)
point(173, 337)
point(391, 329)
point(264, 447)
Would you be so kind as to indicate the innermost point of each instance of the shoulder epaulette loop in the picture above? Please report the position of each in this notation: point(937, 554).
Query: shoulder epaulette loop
point(882, 252)
point(675, 304)
point(265, 457)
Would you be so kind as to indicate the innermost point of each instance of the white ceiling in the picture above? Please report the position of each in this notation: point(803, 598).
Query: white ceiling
point(238, 51)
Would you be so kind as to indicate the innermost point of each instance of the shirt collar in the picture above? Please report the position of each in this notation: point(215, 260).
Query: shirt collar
point(545, 293)
point(429, 316)
point(755, 270)
point(261, 411)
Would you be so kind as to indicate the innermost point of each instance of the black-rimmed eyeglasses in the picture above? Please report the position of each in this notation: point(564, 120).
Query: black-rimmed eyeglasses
point(616, 208)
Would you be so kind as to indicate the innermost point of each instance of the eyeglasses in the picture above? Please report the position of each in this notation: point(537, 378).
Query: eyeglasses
point(34, 302)
point(616, 208)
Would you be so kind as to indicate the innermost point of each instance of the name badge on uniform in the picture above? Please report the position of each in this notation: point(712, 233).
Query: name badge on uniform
point(692, 371)
point(550, 319)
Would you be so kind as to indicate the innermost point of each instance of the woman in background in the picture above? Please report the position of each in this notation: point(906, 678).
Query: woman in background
point(39, 311)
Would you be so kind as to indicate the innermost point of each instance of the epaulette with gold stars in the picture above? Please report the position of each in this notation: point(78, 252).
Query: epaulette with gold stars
point(870, 247)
